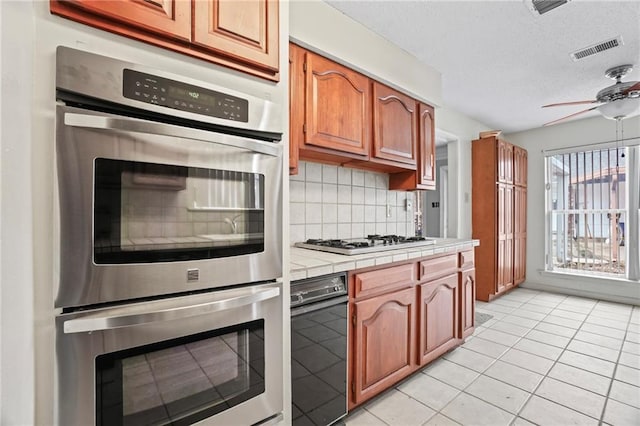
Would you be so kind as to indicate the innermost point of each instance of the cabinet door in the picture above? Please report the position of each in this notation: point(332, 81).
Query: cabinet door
point(504, 262)
point(394, 124)
point(169, 18)
point(296, 105)
point(438, 317)
point(246, 31)
point(467, 302)
point(427, 147)
point(337, 107)
point(520, 234)
point(384, 338)
point(505, 161)
point(519, 166)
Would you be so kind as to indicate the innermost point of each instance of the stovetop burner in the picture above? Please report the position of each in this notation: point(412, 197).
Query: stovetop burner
point(371, 243)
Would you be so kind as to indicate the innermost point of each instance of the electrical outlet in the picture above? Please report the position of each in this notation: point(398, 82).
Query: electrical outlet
point(389, 210)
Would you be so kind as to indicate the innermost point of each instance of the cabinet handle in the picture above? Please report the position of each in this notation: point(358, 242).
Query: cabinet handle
point(431, 159)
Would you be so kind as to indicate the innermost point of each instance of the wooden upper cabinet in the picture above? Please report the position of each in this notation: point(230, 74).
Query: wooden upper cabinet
point(168, 18)
point(425, 176)
point(296, 105)
point(394, 124)
point(245, 30)
point(337, 107)
point(505, 161)
point(427, 147)
point(242, 35)
point(519, 166)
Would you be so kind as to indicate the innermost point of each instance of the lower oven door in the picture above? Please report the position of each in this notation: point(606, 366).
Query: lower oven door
point(319, 362)
point(210, 358)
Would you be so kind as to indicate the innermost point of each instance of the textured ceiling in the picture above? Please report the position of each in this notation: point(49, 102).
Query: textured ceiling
point(500, 61)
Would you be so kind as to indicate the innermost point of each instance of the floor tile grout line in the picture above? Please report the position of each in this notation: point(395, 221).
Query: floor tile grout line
point(556, 362)
point(615, 369)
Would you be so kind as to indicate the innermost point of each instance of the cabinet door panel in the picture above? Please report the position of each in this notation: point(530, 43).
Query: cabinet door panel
point(505, 162)
point(384, 336)
point(244, 30)
point(438, 317)
point(337, 103)
point(427, 147)
point(467, 302)
point(169, 18)
point(394, 123)
point(519, 166)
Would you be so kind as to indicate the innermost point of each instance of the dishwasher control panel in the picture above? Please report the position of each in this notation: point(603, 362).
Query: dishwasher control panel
point(318, 288)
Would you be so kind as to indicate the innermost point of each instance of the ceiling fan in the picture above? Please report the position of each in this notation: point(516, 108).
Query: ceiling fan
point(615, 102)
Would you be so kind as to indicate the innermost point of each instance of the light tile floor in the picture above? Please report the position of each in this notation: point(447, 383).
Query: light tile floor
point(543, 358)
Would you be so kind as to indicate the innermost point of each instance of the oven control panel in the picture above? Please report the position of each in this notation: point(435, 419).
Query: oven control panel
point(161, 91)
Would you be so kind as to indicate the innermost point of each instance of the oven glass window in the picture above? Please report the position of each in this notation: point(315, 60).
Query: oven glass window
point(182, 381)
point(146, 212)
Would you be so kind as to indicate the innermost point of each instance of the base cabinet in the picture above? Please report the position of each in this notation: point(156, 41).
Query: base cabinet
point(439, 307)
point(405, 316)
point(384, 342)
point(467, 302)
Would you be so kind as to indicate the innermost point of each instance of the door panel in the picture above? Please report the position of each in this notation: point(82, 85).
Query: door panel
point(438, 317)
point(384, 336)
point(337, 104)
point(394, 123)
point(169, 18)
point(244, 30)
point(467, 302)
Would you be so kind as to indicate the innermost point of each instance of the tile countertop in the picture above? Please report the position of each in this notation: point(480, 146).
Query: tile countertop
point(306, 263)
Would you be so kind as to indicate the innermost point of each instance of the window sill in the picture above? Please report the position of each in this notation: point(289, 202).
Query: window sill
point(574, 276)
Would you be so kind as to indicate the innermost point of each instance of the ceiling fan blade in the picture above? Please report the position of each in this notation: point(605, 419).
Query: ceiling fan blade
point(632, 88)
point(569, 116)
point(570, 103)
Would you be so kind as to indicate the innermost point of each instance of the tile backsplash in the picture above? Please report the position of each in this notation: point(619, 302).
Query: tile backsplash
point(338, 202)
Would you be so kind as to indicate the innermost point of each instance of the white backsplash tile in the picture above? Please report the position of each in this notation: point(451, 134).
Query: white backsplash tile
point(329, 201)
point(329, 193)
point(357, 195)
point(357, 178)
point(296, 191)
point(329, 213)
point(329, 173)
point(344, 194)
point(313, 214)
point(313, 172)
point(344, 176)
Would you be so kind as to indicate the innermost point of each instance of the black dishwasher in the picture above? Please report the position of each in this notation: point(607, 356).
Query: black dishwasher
point(319, 350)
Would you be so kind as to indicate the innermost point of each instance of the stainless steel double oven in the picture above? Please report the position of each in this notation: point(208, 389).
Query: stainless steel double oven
point(168, 198)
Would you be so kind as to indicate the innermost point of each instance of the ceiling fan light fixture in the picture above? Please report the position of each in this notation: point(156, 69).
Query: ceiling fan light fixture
point(620, 108)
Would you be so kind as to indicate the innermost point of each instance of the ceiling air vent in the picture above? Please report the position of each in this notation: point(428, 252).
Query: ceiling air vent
point(544, 6)
point(596, 48)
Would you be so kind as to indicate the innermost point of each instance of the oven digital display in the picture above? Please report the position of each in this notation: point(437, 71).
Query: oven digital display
point(174, 94)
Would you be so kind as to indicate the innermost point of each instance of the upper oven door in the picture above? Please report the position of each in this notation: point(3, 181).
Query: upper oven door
point(148, 208)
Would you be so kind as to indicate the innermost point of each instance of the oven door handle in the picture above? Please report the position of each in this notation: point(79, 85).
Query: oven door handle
point(101, 321)
point(134, 125)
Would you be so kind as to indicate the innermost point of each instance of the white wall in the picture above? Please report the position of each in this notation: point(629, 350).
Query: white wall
point(580, 132)
point(29, 36)
point(17, 377)
point(465, 129)
point(319, 27)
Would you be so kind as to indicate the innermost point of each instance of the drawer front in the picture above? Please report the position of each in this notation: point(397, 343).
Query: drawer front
point(441, 266)
point(467, 259)
point(377, 282)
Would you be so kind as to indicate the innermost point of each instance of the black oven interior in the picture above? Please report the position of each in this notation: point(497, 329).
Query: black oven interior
point(145, 212)
point(183, 380)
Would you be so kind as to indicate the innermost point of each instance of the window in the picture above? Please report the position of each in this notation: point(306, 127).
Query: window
point(590, 225)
